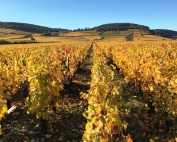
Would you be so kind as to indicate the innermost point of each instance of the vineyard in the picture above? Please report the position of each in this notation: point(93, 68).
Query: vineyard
point(83, 91)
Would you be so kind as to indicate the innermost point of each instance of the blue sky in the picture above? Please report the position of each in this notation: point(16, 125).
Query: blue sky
point(73, 14)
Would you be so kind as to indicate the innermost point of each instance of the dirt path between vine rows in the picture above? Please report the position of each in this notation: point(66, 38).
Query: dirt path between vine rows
point(66, 125)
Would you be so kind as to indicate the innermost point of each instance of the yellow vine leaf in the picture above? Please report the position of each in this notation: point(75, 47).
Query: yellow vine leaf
point(151, 88)
point(3, 111)
point(129, 139)
point(38, 114)
point(28, 112)
point(176, 81)
point(0, 130)
point(45, 115)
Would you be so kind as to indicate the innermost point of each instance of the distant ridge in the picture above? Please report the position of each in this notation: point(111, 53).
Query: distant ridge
point(164, 33)
point(102, 28)
point(29, 27)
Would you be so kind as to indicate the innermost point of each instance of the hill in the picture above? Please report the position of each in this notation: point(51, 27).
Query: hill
point(121, 27)
point(164, 33)
point(29, 27)
point(17, 36)
point(137, 35)
point(134, 27)
point(21, 32)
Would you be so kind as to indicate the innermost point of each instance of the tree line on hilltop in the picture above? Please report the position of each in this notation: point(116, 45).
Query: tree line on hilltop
point(120, 27)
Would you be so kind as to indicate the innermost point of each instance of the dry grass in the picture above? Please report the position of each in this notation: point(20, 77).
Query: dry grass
point(150, 37)
point(12, 32)
point(70, 36)
point(83, 35)
point(13, 35)
point(115, 35)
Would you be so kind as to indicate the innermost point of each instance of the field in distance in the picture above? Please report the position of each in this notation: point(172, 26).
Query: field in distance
point(92, 35)
point(137, 35)
point(18, 36)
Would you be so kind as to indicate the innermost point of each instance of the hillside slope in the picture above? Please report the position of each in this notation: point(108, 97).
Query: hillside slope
point(29, 27)
point(138, 35)
point(164, 33)
point(21, 32)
